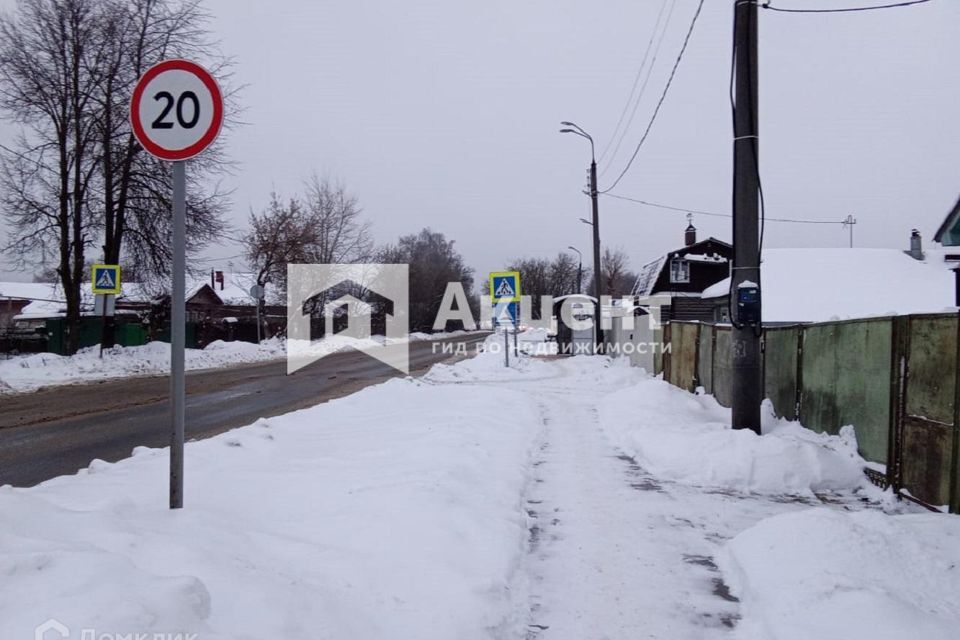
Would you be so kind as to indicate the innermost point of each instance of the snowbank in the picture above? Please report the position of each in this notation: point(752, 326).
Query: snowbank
point(393, 513)
point(24, 373)
point(687, 438)
point(833, 575)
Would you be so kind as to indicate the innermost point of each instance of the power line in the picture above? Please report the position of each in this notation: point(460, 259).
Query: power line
point(636, 81)
point(663, 96)
point(716, 214)
point(895, 5)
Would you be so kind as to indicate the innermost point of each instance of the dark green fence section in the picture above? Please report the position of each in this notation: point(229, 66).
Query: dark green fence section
point(846, 381)
point(894, 379)
point(127, 334)
point(928, 424)
point(781, 368)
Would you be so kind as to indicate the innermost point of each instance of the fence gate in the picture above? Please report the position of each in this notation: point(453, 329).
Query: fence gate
point(925, 402)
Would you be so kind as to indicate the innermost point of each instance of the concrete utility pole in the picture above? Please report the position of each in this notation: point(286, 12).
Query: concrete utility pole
point(594, 193)
point(745, 345)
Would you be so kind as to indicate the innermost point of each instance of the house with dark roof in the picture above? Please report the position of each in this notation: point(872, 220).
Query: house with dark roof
point(676, 280)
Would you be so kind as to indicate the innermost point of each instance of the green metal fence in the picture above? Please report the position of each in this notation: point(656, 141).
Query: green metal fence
point(894, 379)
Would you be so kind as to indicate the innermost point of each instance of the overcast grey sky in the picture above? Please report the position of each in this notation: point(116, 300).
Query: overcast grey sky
point(444, 114)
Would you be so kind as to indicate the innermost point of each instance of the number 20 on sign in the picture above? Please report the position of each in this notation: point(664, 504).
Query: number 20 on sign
point(176, 110)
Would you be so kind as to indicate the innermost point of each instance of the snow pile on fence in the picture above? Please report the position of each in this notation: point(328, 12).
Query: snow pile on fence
point(833, 575)
point(393, 513)
point(687, 438)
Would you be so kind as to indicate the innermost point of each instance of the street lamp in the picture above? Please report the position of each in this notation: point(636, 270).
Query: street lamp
point(570, 127)
point(579, 269)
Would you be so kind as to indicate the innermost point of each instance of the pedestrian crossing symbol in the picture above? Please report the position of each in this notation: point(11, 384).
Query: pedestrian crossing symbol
point(106, 279)
point(505, 286)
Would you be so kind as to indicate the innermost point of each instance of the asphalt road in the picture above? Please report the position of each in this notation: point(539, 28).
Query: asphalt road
point(59, 430)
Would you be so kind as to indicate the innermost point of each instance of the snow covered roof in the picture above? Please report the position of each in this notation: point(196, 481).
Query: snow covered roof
point(814, 285)
point(703, 251)
point(647, 278)
point(235, 292)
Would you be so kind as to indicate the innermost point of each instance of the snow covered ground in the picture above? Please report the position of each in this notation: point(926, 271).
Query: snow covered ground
point(568, 499)
point(30, 372)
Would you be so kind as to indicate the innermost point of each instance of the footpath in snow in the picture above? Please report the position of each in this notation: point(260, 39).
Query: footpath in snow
point(569, 499)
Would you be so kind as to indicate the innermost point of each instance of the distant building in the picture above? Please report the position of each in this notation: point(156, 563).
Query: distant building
point(219, 307)
point(675, 281)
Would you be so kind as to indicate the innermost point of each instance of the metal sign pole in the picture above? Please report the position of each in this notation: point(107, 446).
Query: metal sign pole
point(506, 347)
point(178, 328)
point(259, 340)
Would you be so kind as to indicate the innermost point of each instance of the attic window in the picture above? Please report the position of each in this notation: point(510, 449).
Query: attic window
point(679, 271)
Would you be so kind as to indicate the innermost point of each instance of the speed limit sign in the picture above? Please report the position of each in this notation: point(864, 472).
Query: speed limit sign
point(176, 110)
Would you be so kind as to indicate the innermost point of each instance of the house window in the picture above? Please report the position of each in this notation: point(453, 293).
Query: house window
point(679, 271)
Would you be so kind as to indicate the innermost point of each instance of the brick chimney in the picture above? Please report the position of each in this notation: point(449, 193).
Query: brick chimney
point(690, 235)
point(916, 246)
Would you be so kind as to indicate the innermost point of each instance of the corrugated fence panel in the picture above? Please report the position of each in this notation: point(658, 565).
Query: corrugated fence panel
point(705, 362)
point(928, 429)
point(684, 355)
point(863, 387)
point(722, 371)
point(818, 409)
point(780, 370)
point(846, 381)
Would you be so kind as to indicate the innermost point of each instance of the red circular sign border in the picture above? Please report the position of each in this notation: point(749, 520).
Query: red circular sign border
point(209, 82)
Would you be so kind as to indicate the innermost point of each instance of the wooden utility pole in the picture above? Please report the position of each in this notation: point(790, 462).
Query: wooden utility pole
point(745, 345)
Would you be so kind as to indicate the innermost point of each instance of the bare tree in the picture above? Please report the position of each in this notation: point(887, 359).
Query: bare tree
point(564, 277)
point(534, 280)
point(433, 263)
point(279, 235)
point(615, 273)
point(342, 236)
point(48, 64)
point(324, 227)
point(77, 175)
point(134, 187)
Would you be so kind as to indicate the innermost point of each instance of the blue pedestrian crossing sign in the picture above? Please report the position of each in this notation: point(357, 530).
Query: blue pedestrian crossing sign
point(106, 279)
point(506, 314)
point(505, 286)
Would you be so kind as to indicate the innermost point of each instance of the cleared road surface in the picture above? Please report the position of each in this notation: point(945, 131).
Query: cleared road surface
point(59, 430)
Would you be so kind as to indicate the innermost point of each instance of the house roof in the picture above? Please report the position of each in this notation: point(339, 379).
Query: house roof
point(235, 292)
point(949, 222)
point(814, 285)
point(650, 272)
